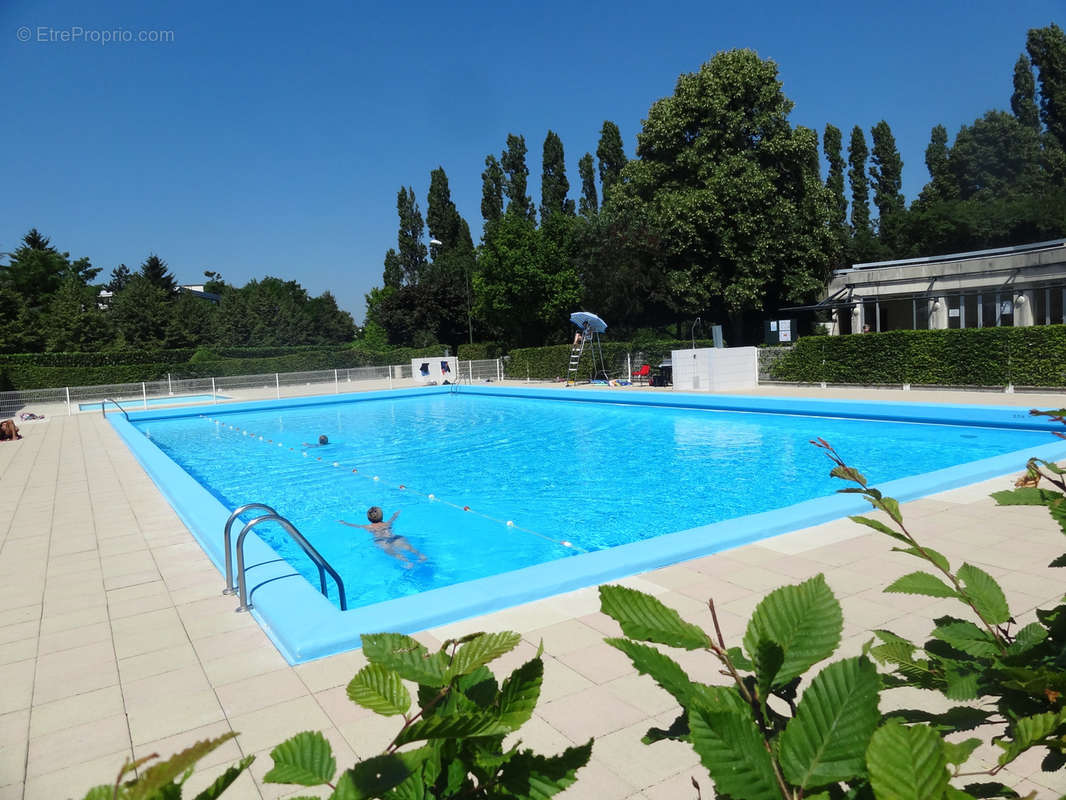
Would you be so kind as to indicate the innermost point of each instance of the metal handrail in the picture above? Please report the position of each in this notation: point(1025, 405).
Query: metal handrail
point(231, 587)
point(321, 563)
point(103, 407)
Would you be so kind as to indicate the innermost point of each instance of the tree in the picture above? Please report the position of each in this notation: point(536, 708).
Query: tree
point(524, 287)
point(492, 190)
point(412, 251)
point(832, 143)
point(141, 314)
point(1047, 51)
point(154, 270)
point(393, 274)
point(1023, 100)
point(328, 323)
point(74, 322)
point(732, 190)
point(860, 187)
point(516, 174)
point(995, 157)
point(442, 218)
point(589, 204)
point(553, 183)
point(942, 185)
point(612, 157)
point(35, 270)
point(120, 278)
point(191, 322)
point(887, 173)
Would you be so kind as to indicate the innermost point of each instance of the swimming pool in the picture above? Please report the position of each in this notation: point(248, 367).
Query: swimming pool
point(139, 402)
point(560, 494)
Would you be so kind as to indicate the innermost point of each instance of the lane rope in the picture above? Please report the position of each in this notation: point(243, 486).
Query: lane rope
point(254, 437)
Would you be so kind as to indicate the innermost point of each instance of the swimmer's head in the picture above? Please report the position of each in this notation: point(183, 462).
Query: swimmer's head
point(323, 439)
point(375, 514)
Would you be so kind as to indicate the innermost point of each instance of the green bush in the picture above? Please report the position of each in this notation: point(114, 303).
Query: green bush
point(1034, 356)
point(549, 363)
point(479, 351)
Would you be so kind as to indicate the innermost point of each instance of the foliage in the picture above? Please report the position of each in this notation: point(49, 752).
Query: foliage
point(553, 183)
point(731, 190)
point(164, 780)
point(155, 271)
point(759, 742)
point(612, 157)
point(887, 174)
point(959, 357)
point(552, 362)
point(492, 190)
point(411, 250)
point(1047, 51)
point(1023, 99)
point(834, 183)
point(589, 203)
point(515, 177)
point(460, 719)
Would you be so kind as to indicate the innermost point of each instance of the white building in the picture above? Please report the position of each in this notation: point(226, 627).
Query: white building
point(1008, 286)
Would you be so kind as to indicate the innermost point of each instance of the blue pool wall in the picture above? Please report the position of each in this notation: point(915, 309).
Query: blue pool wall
point(304, 625)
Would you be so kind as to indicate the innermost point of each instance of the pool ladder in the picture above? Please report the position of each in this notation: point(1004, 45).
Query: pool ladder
point(103, 407)
point(241, 585)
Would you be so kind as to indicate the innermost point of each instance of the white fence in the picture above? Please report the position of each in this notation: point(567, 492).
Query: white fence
point(178, 391)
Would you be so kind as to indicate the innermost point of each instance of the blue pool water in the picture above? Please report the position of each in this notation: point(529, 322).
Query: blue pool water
point(571, 477)
point(138, 402)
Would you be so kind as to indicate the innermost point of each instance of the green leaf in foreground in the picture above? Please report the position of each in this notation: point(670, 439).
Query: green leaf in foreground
point(906, 763)
point(306, 759)
point(879, 526)
point(733, 751)
point(664, 670)
point(927, 553)
point(158, 775)
point(921, 583)
point(643, 617)
point(538, 777)
point(826, 741)
point(223, 781)
point(985, 594)
point(481, 650)
point(967, 637)
point(520, 692)
point(378, 688)
point(410, 659)
point(372, 778)
point(805, 620)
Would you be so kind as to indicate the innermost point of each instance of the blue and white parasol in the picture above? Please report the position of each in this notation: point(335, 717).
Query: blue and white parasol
point(594, 323)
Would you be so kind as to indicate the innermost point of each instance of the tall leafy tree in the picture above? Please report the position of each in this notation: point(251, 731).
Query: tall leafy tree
point(411, 249)
point(492, 190)
point(589, 204)
point(941, 185)
point(141, 314)
point(732, 191)
point(442, 218)
point(860, 186)
point(516, 176)
point(1047, 51)
point(74, 322)
point(191, 322)
point(392, 276)
point(554, 186)
point(1023, 99)
point(612, 157)
point(995, 157)
point(886, 171)
point(155, 271)
point(832, 144)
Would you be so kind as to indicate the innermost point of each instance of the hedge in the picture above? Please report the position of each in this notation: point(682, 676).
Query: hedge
point(549, 363)
point(1033, 356)
point(56, 370)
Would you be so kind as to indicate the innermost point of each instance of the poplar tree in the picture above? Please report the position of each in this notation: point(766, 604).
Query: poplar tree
point(1023, 99)
point(412, 252)
point(887, 174)
point(832, 144)
point(553, 183)
point(492, 190)
point(612, 157)
point(860, 187)
point(941, 186)
point(1047, 51)
point(442, 218)
point(516, 175)
point(586, 168)
point(392, 277)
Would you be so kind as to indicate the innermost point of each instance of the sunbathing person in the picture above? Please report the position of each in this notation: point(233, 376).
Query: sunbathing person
point(9, 431)
point(384, 538)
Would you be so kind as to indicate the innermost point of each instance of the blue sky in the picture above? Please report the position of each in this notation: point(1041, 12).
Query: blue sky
point(268, 138)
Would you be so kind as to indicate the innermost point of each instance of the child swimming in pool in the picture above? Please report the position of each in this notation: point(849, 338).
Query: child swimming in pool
point(384, 538)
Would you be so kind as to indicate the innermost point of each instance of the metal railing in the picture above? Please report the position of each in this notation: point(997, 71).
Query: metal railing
point(296, 536)
point(175, 390)
point(103, 407)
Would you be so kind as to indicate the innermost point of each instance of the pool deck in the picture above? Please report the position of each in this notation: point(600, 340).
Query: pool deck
point(117, 642)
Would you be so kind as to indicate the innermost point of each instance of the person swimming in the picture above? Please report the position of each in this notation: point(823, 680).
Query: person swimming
point(392, 543)
point(322, 440)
